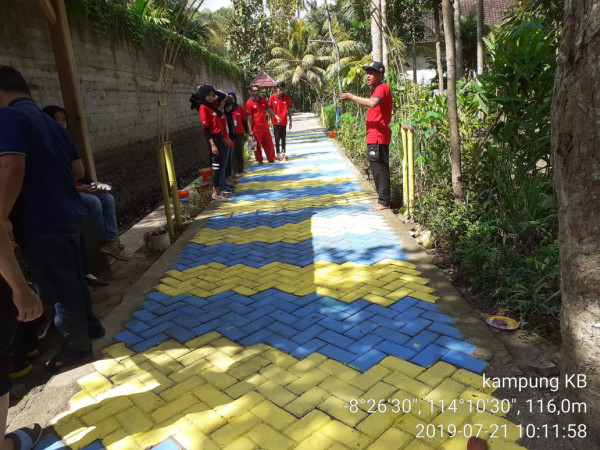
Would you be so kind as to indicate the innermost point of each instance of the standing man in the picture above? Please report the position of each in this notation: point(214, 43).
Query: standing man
point(281, 104)
point(257, 109)
point(379, 134)
point(40, 206)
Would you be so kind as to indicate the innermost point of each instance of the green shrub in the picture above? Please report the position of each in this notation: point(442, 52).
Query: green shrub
point(329, 117)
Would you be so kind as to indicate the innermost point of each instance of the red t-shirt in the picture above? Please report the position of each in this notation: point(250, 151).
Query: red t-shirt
point(280, 107)
point(258, 112)
point(379, 118)
point(239, 115)
point(211, 119)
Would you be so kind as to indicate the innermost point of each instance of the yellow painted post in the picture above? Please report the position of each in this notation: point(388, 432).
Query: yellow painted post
point(164, 187)
point(173, 182)
point(404, 171)
point(411, 170)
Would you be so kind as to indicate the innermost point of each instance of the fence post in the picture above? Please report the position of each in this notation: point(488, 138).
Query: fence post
point(173, 182)
point(411, 171)
point(164, 187)
point(404, 169)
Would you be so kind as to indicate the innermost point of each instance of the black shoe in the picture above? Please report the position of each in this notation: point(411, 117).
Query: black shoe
point(43, 327)
point(97, 334)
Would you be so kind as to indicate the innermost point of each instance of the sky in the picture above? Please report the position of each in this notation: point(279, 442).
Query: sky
point(213, 5)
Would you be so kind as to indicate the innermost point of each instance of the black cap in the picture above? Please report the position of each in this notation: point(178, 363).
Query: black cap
point(281, 84)
point(376, 66)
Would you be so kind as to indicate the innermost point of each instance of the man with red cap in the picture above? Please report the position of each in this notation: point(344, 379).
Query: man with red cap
point(257, 109)
point(379, 133)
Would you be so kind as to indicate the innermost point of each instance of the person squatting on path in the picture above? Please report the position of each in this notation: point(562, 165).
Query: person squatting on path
point(18, 303)
point(379, 133)
point(206, 102)
point(257, 109)
point(240, 127)
point(41, 207)
point(281, 104)
point(99, 206)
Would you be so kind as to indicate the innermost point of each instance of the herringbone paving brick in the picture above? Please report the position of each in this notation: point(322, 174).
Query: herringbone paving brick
point(293, 319)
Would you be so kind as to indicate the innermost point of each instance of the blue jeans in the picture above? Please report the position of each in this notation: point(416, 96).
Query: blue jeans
point(224, 153)
point(53, 257)
point(100, 209)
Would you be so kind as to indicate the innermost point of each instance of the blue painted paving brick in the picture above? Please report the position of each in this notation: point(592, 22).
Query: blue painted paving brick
point(308, 334)
point(368, 360)
point(357, 306)
point(333, 313)
point(335, 338)
point(180, 334)
point(143, 315)
point(338, 354)
point(137, 326)
point(258, 324)
point(445, 329)
point(209, 314)
point(156, 330)
point(395, 350)
point(415, 326)
point(190, 311)
point(425, 305)
point(256, 338)
point(308, 348)
point(392, 324)
point(421, 340)
point(128, 338)
point(170, 308)
point(429, 355)
point(285, 296)
point(335, 325)
point(358, 317)
point(437, 317)
point(232, 332)
point(410, 314)
point(465, 361)
point(235, 319)
point(162, 319)
point(288, 307)
point(96, 445)
point(149, 343)
point(158, 296)
point(284, 317)
point(186, 321)
point(303, 324)
point(404, 304)
point(333, 303)
point(364, 344)
point(205, 328)
point(306, 310)
point(382, 311)
point(391, 335)
point(281, 343)
point(456, 345)
point(282, 329)
point(309, 298)
point(260, 312)
point(364, 328)
point(149, 306)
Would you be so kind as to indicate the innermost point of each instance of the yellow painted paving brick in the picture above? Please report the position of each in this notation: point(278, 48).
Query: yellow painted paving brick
point(246, 368)
point(472, 379)
point(82, 400)
point(436, 373)
point(306, 381)
point(380, 391)
point(193, 438)
point(147, 401)
point(421, 444)
point(366, 380)
point(108, 367)
point(315, 441)
point(234, 429)
point(273, 415)
point(119, 440)
point(407, 368)
point(269, 439)
point(246, 385)
point(279, 358)
point(118, 351)
point(339, 409)
point(190, 370)
point(156, 381)
point(242, 443)
point(133, 420)
point(424, 297)
point(307, 401)
point(346, 435)
point(211, 395)
point(107, 409)
point(173, 349)
point(392, 438)
point(446, 391)
point(195, 355)
point(220, 380)
point(408, 384)
point(95, 383)
point(338, 370)
point(182, 388)
point(220, 360)
point(277, 374)
point(307, 364)
point(204, 417)
point(276, 393)
point(239, 406)
point(165, 364)
point(173, 408)
point(341, 389)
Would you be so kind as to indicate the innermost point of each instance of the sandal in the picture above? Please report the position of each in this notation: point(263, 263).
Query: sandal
point(25, 438)
point(62, 360)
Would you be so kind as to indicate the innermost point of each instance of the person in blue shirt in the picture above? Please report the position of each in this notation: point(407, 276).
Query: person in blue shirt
point(41, 209)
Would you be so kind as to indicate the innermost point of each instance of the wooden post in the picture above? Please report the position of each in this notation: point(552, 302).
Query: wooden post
point(68, 77)
point(405, 200)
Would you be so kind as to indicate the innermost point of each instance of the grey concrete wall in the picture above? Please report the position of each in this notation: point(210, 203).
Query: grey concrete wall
point(119, 81)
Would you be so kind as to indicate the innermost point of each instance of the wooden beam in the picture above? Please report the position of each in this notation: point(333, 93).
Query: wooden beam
point(70, 85)
point(48, 11)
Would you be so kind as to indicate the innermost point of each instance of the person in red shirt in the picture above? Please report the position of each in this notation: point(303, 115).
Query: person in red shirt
point(258, 109)
point(281, 104)
point(379, 133)
point(240, 127)
point(206, 101)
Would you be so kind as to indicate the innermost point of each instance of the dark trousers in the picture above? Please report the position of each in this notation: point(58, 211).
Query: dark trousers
point(8, 329)
point(381, 174)
point(215, 160)
point(280, 132)
point(238, 153)
point(53, 258)
point(224, 158)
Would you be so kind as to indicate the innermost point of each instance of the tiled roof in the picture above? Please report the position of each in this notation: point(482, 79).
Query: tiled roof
point(264, 80)
point(494, 14)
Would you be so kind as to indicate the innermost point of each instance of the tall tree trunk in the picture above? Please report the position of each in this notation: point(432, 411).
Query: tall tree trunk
point(384, 32)
point(458, 40)
point(457, 188)
point(414, 60)
point(576, 153)
point(438, 47)
point(377, 52)
point(480, 27)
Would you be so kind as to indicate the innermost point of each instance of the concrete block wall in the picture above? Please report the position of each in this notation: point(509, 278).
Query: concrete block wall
point(119, 81)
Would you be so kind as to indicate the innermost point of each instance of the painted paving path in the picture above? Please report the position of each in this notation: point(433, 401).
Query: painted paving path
point(293, 319)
